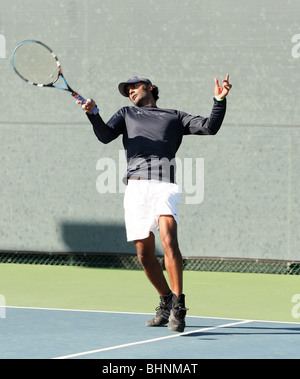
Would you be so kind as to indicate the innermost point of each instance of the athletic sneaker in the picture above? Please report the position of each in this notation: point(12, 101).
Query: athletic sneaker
point(162, 311)
point(178, 312)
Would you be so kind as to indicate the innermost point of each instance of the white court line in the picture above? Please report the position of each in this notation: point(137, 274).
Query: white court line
point(151, 340)
point(148, 313)
point(82, 310)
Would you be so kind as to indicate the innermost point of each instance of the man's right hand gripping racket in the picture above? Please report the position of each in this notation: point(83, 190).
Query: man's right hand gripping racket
point(36, 63)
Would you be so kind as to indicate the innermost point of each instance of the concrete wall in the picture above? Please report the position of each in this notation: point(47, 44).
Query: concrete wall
point(49, 154)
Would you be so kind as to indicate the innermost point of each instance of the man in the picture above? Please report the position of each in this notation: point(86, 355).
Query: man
point(151, 138)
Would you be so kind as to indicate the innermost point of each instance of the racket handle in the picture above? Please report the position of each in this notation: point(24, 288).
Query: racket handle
point(78, 97)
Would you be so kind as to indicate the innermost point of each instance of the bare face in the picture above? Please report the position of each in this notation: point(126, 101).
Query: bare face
point(140, 94)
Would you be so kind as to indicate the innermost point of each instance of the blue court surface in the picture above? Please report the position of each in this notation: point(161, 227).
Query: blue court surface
point(38, 333)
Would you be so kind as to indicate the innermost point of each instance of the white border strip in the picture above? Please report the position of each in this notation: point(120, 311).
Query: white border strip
point(151, 340)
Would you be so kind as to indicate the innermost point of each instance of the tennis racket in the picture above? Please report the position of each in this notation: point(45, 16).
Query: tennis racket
point(37, 64)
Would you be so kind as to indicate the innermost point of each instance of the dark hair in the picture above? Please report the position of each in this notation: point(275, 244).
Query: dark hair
point(155, 92)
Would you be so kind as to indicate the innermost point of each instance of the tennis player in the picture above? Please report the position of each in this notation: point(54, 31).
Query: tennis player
point(151, 138)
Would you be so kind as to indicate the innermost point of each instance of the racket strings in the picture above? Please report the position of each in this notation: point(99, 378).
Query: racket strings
point(36, 64)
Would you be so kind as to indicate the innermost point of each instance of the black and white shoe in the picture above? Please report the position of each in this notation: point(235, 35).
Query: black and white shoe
point(162, 311)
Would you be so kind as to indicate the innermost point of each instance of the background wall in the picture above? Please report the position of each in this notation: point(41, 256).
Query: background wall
point(48, 152)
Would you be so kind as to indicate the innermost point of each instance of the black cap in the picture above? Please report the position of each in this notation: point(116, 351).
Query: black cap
point(135, 79)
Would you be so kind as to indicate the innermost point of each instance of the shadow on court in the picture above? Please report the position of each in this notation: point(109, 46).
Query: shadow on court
point(247, 330)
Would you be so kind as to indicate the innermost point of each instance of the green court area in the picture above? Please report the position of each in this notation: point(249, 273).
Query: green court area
point(209, 294)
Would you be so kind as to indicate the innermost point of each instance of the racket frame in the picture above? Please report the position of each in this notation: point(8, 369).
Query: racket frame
point(51, 84)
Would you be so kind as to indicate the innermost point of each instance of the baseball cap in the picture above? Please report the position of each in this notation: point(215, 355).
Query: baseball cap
point(135, 79)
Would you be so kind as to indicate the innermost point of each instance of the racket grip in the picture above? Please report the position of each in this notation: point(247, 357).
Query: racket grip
point(79, 97)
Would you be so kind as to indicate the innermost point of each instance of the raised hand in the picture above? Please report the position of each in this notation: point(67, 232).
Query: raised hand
point(222, 91)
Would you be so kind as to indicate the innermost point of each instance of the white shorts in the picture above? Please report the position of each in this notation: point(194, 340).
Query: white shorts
point(144, 202)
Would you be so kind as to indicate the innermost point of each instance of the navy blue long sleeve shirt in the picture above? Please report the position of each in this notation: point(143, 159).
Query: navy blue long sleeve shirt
point(152, 136)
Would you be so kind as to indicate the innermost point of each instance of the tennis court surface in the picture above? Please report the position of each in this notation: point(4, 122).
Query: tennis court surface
point(79, 313)
point(33, 333)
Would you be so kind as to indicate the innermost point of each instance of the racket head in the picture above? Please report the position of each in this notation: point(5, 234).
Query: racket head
point(36, 63)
